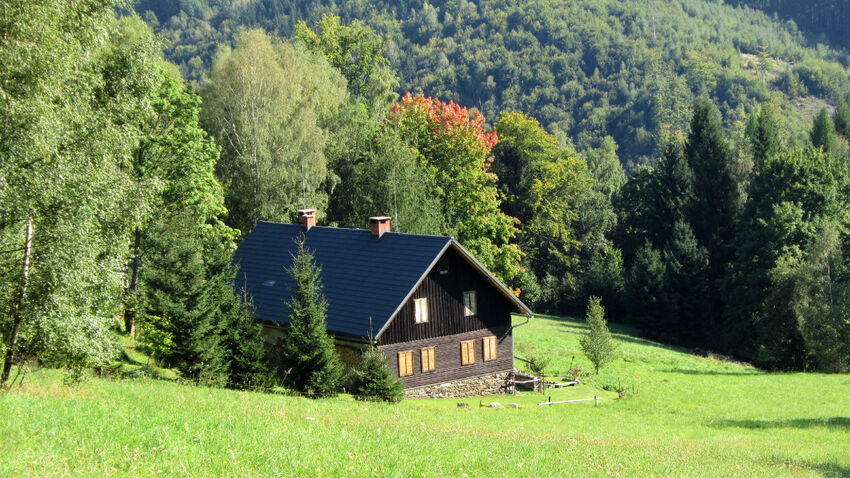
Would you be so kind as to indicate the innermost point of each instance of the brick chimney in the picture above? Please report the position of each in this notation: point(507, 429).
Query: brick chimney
point(307, 217)
point(379, 225)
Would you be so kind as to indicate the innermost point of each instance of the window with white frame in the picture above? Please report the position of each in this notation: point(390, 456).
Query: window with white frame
point(470, 303)
point(421, 310)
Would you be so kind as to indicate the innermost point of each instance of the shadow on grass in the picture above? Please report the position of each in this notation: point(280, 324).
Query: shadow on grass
point(687, 371)
point(830, 469)
point(838, 423)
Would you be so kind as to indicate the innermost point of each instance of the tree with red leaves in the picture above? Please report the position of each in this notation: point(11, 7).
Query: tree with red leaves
point(456, 147)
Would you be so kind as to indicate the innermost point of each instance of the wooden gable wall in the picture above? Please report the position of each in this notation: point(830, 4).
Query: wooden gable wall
point(445, 305)
point(448, 327)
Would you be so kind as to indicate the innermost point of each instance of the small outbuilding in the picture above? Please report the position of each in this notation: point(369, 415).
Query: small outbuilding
point(442, 319)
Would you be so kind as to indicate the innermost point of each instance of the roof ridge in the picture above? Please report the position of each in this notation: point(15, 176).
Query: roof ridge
point(358, 229)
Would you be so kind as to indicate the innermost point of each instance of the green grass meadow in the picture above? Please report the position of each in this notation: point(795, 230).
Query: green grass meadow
point(682, 416)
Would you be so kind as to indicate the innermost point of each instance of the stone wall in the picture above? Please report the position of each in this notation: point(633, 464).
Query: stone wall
point(465, 387)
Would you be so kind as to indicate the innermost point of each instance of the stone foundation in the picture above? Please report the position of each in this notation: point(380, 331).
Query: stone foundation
point(465, 387)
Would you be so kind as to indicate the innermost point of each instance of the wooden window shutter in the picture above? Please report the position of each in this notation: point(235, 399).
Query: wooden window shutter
point(467, 352)
point(428, 362)
point(490, 348)
point(405, 363)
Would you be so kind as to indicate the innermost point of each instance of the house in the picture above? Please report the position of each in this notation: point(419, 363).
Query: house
point(443, 320)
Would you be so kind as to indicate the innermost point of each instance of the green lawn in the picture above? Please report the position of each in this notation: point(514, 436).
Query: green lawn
point(690, 416)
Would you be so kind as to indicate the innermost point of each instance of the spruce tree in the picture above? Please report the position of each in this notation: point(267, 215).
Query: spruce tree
point(688, 286)
point(242, 336)
point(763, 135)
point(308, 355)
point(374, 381)
point(178, 292)
point(823, 132)
point(597, 344)
point(841, 119)
point(647, 293)
point(713, 209)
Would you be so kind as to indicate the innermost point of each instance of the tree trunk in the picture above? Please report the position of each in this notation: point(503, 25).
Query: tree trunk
point(12, 339)
point(130, 311)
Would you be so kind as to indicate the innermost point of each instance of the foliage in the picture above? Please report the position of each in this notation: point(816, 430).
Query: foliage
point(61, 156)
point(265, 102)
point(819, 299)
point(597, 344)
point(357, 52)
point(456, 149)
point(308, 356)
point(374, 381)
point(788, 197)
point(171, 168)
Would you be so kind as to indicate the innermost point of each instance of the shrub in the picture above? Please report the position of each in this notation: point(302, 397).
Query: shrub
point(374, 381)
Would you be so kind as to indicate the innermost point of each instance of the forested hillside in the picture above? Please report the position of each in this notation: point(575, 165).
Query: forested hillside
point(824, 20)
point(585, 70)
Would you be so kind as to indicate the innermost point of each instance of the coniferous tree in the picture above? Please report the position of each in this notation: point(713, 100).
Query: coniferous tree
point(185, 303)
point(374, 381)
point(715, 199)
point(687, 274)
point(308, 356)
point(242, 336)
point(841, 119)
point(713, 210)
point(823, 132)
point(763, 134)
point(646, 293)
point(597, 344)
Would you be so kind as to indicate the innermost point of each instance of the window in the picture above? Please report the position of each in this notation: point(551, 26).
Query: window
point(467, 352)
point(405, 363)
point(421, 306)
point(490, 349)
point(444, 265)
point(470, 303)
point(428, 363)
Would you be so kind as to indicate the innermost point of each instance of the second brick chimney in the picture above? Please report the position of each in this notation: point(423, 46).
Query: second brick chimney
point(307, 217)
point(379, 225)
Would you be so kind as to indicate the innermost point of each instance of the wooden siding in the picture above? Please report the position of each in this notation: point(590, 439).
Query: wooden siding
point(445, 305)
point(447, 357)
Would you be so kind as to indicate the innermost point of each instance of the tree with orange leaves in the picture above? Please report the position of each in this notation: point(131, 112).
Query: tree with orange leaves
point(456, 148)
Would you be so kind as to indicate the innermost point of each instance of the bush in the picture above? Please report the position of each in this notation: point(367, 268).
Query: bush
point(374, 381)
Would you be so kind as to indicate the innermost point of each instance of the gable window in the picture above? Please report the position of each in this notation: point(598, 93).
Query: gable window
point(421, 310)
point(428, 362)
point(470, 303)
point(444, 265)
point(467, 352)
point(405, 363)
point(490, 349)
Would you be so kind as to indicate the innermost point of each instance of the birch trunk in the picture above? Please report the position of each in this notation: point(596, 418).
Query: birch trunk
point(12, 339)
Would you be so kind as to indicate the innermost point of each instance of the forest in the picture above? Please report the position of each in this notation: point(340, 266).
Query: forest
point(680, 181)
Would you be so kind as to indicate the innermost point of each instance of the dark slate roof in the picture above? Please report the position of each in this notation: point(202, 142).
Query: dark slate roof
point(364, 277)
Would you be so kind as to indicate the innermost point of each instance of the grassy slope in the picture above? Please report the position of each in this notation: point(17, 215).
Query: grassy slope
point(690, 416)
